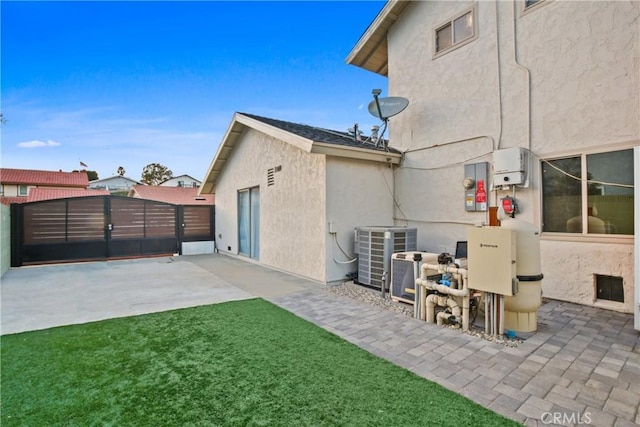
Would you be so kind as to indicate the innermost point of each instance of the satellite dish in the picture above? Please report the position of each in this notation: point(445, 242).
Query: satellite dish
point(384, 108)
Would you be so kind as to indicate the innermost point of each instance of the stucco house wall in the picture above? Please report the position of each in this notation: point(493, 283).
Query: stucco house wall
point(292, 211)
point(567, 83)
point(359, 193)
point(5, 239)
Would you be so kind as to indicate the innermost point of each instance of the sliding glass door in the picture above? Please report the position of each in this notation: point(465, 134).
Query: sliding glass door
point(249, 222)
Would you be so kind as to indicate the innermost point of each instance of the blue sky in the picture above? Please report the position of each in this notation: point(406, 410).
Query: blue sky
point(131, 83)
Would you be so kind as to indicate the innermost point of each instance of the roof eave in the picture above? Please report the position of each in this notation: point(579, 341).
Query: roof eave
point(370, 52)
point(356, 153)
point(237, 127)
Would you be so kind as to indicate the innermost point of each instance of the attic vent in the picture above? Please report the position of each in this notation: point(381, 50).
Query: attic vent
point(270, 179)
point(270, 175)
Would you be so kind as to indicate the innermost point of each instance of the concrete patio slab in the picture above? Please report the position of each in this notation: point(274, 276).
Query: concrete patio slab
point(41, 297)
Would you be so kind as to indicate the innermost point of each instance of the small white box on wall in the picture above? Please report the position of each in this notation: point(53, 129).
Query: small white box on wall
point(511, 167)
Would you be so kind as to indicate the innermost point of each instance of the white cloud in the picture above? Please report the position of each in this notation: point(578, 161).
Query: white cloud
point(38, 144)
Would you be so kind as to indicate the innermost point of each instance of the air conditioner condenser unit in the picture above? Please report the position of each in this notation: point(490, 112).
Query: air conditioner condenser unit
point(374, 246)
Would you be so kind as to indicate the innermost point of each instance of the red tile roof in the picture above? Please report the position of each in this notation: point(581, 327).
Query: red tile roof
point(38, 194)
point(175, 195)
point(47, 178)
point(9, 200)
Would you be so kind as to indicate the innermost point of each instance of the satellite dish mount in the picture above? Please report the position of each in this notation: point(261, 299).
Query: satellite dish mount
point(383, 108)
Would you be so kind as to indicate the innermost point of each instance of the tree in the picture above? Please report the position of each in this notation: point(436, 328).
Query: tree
point(155, 173)
point(121, 171)
point(2, 119)
point(91, 175)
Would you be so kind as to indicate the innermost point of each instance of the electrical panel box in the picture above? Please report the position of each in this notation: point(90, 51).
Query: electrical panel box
point(511, 167)
point(475, 187)
point(492, 260)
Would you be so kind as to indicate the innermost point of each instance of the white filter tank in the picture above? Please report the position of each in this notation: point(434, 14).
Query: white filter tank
point(521, 310)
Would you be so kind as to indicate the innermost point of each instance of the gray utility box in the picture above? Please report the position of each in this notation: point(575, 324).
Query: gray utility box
point(374, 246)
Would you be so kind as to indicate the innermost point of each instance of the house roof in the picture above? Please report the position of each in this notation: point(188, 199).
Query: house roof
point(39, 194)
point(180, 176)
point(175, 195)
point(46, 178)
point(307, 138)
point(371, 52)
point(111, 178)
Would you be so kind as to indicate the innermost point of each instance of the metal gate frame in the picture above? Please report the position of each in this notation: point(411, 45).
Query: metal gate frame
point(102, 238)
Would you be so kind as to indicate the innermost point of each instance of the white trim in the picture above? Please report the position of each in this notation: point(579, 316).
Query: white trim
point(455, 45)
point(636, 247)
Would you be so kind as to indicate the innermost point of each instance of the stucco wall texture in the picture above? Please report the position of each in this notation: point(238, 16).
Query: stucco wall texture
point(566, 84)
point(5, 239)
point(308, 192)
point(292, 211)
point(359, 193)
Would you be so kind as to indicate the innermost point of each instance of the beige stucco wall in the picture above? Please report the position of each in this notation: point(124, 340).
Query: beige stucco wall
point(583, 62)
point(5, 239)
point(292, 211)
point(359, 193)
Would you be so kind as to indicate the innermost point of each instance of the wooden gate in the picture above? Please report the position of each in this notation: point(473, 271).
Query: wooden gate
point(103, 227)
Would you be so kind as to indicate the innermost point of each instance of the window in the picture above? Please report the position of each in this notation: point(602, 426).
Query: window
point(455, 33)
point(22, 190)
point(589, 194)
point(529, 3)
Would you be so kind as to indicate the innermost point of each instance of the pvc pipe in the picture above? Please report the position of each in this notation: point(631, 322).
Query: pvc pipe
point(430, 284)
point(501, 330)
point(431, 301)
point(487, 326)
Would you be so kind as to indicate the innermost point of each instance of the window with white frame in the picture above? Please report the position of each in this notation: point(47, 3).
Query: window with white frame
point(589, 194)
point(454, 33)
point(23, 190)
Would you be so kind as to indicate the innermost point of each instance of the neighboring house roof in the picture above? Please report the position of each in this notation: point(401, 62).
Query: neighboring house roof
point(44, 178)
point(11, 200)
point(307, 138)
point(371, 51)
point(39, 194)
point(178, 178)
point(175, 195)
point(113, 178)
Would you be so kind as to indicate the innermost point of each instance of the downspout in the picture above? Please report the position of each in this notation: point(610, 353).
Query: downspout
point(526, 72)
point(495, 10)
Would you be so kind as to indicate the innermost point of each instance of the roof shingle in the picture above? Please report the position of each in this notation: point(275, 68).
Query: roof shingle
point(40, 177)
point(321, 135)
point(175, 195)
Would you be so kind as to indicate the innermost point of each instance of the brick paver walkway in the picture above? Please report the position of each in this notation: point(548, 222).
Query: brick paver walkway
point(582, 366)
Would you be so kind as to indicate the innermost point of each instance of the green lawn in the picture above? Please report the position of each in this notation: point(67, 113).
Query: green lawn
point(239, 363)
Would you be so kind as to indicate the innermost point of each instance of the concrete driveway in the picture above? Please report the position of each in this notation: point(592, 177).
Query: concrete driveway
point(41, 297)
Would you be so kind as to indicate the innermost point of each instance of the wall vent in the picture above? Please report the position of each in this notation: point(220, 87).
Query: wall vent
point(270, 177)
point(271, 180)
point(609, 288)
